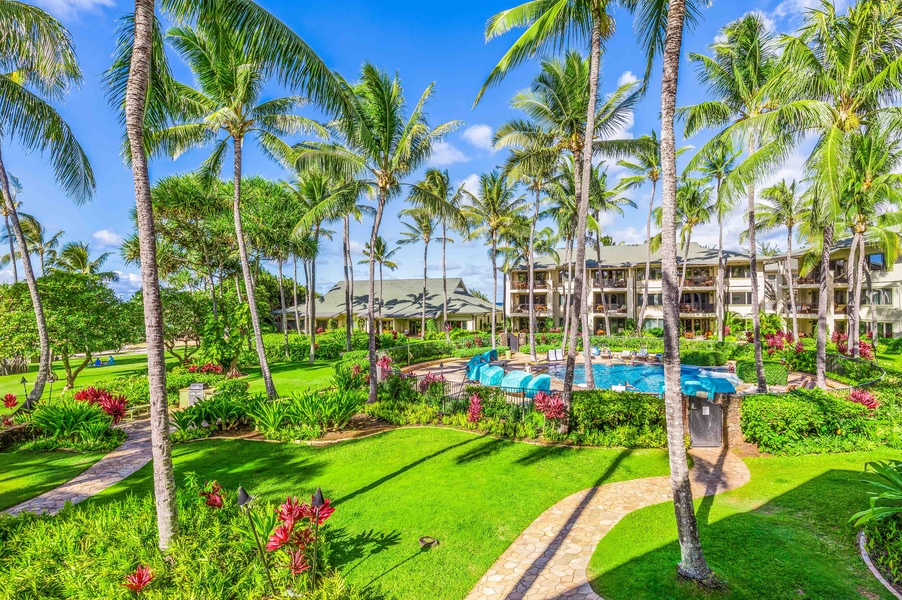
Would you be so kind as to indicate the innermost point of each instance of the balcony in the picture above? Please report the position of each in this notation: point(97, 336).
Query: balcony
point(523, 309)
point(611, 310)
point(700, 281)
point(695, 309)
point(610, 283)
point(524, 285)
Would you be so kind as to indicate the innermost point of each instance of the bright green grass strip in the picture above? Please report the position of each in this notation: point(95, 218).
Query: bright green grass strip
point(784, 535)
point(292, 377)
point(24, 475)
point(475, 494)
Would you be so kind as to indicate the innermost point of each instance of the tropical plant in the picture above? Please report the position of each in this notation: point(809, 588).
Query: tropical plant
point(75, 257)
point(39, 240)
point(383, 257)
point(423, 229)
point(889, 488)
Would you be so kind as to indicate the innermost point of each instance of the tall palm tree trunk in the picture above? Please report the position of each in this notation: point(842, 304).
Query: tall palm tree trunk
point(504, 318)
point(381, 320)
point(692, 563)
point(43, 337)
point(161, 449)
point(307, 297)
point(370, 306)
point(568, 295)
point(297, 312)
point(792, 293)
point(12, 247)
point(753, 265)
point(604, 302)
point(821, 349)
point(719, 309)
point(284, 312)
point(444, 283)
point(246, 272)
point(579, 286)
point(854, 304)
point(349, 283)
point(587, 344)
point(423, 305)
point(495, 292)
point(651, 208)
point(531, 265)
point(312, 355)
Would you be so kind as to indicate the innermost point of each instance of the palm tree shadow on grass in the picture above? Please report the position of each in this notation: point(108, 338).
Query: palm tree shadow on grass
point(347, 548)
point(487, 449)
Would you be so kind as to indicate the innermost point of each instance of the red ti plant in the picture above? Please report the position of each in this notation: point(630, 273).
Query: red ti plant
point(474, 414)
point(114, 406)
point(7, 421)
point(864, 398)
point(297, 532)
point(139, 580)
point(10, 401)
point(212, 494)
point(384, 365)
point(550, 406)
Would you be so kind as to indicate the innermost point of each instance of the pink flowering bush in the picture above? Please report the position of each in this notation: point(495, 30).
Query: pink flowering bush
point(474, 413)
point(206, 369)
point(115, 406)
point(384, 365)
point(139, 580)
point(296, 532)
point(864, 398)
point(212, 494)
point(10, 401)
point(550, 406)
point(428, 380)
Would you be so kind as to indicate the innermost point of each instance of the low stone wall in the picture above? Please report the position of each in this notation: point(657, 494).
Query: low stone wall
point(732, 409)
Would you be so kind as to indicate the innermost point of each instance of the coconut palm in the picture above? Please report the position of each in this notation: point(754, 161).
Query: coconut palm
point(225, 108)
point(738, 73)
point(138, 86)
point(436, 194)
point(40, 242)
point(423, 229)
point(75, 257)
point(8, 235)
point(781, 205)
point(39, 68)
point(379, 144)
point(383, 257)
point(695, 207)
point(493, 207)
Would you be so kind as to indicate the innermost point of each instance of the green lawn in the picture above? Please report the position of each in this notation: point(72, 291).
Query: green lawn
point(783, 535)
point(24, 475)
point(292, 377)
point(475, 494)
point(892, 360)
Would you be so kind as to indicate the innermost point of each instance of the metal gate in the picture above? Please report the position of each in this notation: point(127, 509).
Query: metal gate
point(705, 423)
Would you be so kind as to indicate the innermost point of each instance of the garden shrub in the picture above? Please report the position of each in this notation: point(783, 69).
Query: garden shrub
point(66, 423)
point(700, 358)
point(607, 418)
point(775, 373)
point(417, 352)
point(806, 421)
point(473, 351)
point(884, 545)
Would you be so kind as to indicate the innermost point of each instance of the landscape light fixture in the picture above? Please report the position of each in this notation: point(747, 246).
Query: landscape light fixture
point(317, 503)
point(23, 382)
point(244, 501)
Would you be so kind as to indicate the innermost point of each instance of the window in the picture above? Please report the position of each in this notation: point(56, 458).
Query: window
point(740, 298)
point(876, 262)
point(653, 299)
point(839, 297)
point(654, 274)
point(740, 271)
point(882, 297)
point(653, 323)
point(884, 329)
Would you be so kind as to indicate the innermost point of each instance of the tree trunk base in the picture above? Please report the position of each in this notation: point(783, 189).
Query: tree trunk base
point(709, 581)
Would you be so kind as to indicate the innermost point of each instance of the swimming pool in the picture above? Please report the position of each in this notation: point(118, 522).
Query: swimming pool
point(650, 378)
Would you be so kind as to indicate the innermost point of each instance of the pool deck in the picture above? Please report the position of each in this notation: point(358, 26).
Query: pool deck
point(455, 369)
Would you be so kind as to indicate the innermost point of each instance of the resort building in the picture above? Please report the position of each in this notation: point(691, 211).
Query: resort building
point(618, 274)
point(401, 308)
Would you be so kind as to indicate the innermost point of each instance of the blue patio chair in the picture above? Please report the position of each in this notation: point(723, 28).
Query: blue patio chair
point(491, 376)
point(516, 381)
point(539, 383)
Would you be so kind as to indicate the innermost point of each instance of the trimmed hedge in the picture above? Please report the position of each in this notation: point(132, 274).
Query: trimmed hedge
point(703, 359)
point(806, 421)
point(606, 418)
point(417, 352)
point(775, 373)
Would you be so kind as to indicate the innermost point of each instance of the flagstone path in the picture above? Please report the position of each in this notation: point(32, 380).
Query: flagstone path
point(549, 559)
point(130, 456)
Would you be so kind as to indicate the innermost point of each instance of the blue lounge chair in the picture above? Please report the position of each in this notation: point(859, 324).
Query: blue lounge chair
point(491, 376)
point(490, 356)
point(539, 383)
point(596, 351)
point(516, 381)
point(474, 366)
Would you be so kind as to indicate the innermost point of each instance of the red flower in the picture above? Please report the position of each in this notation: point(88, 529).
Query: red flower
point(213, 494)
point(280, 536)
point(139, 580)
point(864, 397)
point(115, 407)
point(10, 401)
point(474, 413)
point(324, 512)
point(302, 537)
point(550, 406)
point(192, 369)
point(297, 562)
point(292, 510)
point(7, 421)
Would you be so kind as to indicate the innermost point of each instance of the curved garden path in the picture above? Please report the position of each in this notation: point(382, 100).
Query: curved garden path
point(549, 559)
point(130, 456)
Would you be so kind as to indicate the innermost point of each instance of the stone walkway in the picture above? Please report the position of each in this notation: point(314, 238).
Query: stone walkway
point(549, 559)
point(133, 454)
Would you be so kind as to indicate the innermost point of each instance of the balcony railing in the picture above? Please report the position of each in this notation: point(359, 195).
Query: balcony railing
point(523, 309)
point(697, 308)
point(610, 283)
point(614, 310)
point(524, 285)
point(700, 281)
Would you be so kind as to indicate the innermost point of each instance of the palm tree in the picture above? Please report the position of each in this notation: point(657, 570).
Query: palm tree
point(75, 257)
point(717, 164)
point(383, 257)
point(226, 107)
point(738, 74)
point(494, 206)
point(435, 194)
point(39, 67)
point(781, 206)
point(38, 240)
point(8, 235)
point(423, 229)
point(662, 25)
point(138, 85)
point(694, 207)
point(380, 146)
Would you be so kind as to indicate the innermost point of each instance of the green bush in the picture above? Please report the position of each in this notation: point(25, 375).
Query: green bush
point(806, 421)
point(606, 418)
point(775, 373)
point(703, 358)
point(71, 424)
point(473, 351)
point(884, 545)
point(417, 352)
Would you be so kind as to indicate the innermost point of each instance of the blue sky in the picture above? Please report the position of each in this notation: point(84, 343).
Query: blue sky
point(425, 42)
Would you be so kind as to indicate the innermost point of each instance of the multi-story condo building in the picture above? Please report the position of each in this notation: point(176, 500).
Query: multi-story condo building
point(618, 274)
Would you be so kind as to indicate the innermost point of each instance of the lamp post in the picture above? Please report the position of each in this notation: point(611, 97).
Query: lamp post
point(317, 503)
point(244, 501)
point(24, 382)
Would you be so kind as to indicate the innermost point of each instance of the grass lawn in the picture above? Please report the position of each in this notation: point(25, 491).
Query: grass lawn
point(475, 494)
point(292, 377)
point(889, 359)
point(783, 535)
point(24, 475)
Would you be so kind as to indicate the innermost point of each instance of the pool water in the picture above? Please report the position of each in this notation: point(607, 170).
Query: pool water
point(650, 378)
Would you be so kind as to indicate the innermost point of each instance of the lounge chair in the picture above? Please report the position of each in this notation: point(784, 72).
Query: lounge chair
point(606, 353)
point(474, 366)
point(516, 381)
point(618, 388)
point(643, 354)
point(596, 352)
point(626, 354)
point(539, 383)
point(490, 355)
point(491, 376)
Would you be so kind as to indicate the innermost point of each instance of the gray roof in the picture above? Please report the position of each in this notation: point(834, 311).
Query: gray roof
point(628, 255)
point(403, 300)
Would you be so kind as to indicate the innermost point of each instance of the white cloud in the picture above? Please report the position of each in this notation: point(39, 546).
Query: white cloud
point(794, 10)
point(127, 284)
point(626, 77)
point(470, 183)
point(356, 247)
point(444, 153)
point(628, 235)
point(105, 237)
point(479, 136)
point(69, 8)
